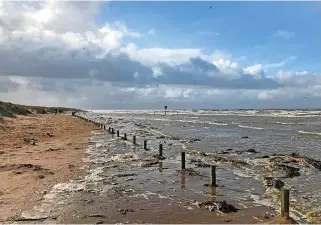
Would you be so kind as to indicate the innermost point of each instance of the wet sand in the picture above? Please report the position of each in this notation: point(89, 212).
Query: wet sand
point(28, 171)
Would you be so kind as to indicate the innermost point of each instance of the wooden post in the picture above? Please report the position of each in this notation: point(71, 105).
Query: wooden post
point(125, 136)
point(134, 140)
point(285, 203)
point(109, 130)
point(213, 176)
point(112, 131)
point(160, 150)
point(145, 144)
point(104, 126)
point(117, 133)
point(183, 160)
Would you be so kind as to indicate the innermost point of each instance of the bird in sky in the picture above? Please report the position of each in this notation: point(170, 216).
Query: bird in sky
point(210, 7)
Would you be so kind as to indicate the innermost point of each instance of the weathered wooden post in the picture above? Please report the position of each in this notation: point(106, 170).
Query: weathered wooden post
point(112, 131)
point(117, 133)
point(183, 160)
point(213, 176)
point(134, 140)
point(125, 136)
point(285, 203)
point(160, 150)
point(145, 144)
point(109, 130)
point(104, 126)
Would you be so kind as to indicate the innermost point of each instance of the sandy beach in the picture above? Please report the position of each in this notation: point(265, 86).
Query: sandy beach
point(29, 171)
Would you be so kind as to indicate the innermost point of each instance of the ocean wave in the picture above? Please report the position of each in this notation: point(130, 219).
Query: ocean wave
point(283, 123)
point(309, 132)
point(249, 127)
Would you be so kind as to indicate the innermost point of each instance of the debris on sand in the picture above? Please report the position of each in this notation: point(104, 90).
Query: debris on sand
point(149, 164)
point(273, 182)
point(196, 152)
point(159, 157)
point(174, 138)
point(31, 141)
point(297, 159)
point(194, 140)
point(161, 137)
point(290, 171)
point(125, 211)
point(221, 206)
point(245, 137)
point(189, 172)
point(251, 150)
point(97, 215)
point(125, 175)
point(202, 165)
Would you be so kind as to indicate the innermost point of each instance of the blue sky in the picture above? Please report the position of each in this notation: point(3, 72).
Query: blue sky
point(245, 28)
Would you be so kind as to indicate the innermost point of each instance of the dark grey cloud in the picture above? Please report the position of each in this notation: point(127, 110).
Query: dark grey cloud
point(54, 62)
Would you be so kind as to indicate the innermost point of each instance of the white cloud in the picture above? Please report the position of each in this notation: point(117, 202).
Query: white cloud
point(257, 71)
point(284, 34)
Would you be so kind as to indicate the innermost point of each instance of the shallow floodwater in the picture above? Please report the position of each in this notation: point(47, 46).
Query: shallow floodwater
point(121, 174)
point(269, 131)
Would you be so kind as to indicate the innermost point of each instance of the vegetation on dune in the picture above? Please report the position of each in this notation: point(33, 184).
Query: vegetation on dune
point(8, 109)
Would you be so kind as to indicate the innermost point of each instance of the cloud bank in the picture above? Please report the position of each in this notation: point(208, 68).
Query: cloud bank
point(53, 53)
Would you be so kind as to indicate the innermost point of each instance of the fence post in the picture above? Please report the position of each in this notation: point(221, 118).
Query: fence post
point(112, 131)
point(125, 136)
point(285, 203)
point(213, 176)
point(145, 144)
point(183, 160)
point(117, 133)
point(134, 140)
point(160, 149)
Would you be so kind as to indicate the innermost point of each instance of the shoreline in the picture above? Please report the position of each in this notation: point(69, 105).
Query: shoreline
point(116, 166)
point(28, 171)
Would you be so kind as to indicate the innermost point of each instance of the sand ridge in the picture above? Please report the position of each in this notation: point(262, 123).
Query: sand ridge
point(28, 171)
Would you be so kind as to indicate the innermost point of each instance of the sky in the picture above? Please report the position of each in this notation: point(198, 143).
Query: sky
point(144, 55)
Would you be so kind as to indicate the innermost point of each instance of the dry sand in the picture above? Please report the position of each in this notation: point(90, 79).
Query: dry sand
point(28, 171)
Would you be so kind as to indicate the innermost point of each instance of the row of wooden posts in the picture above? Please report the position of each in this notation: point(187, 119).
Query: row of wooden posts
point(285, 193)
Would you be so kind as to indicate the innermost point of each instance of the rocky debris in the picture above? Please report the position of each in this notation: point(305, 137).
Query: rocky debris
point(202, 165)
point(197, 152)
point(125, 211)
point(264, 157)
point(97, 215)
point(245, 137)
point(251, 150)
point(174, 138)
point(161, 137)
point(194, 140)
point(149, 164)
point(31, 141)
point(273, 182)
point(158, 157)
point(221, 206)
point(29, 166)
point(49, 135)
point(125, 175)
point(189, 172)
point(195, 161)
point(289, 170)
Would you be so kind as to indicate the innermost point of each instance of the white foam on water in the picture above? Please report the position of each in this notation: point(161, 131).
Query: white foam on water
point(249, 127)
point(309, 132)
point(123, 157)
